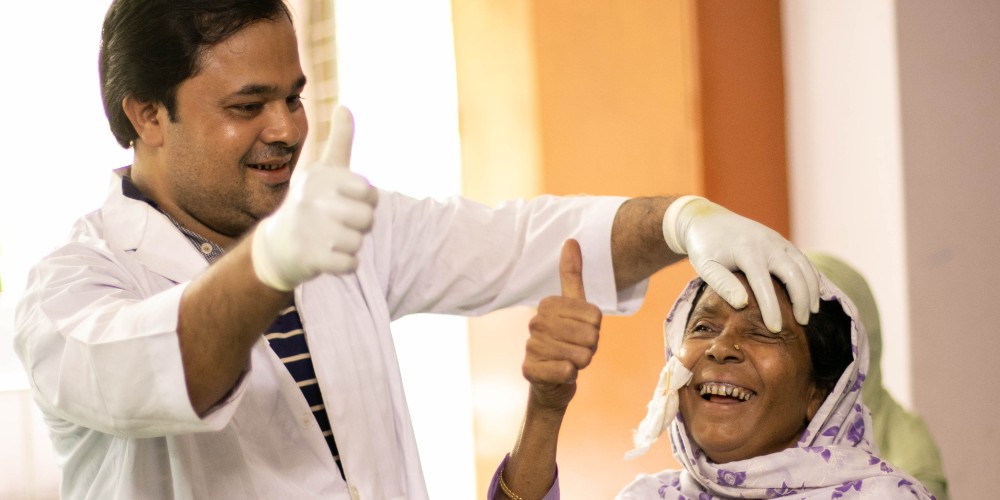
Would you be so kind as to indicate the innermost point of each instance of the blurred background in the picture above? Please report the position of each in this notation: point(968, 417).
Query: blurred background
point(862, 128)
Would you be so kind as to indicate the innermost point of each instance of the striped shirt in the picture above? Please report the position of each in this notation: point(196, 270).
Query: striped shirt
point(288, 341)
point(285, 336)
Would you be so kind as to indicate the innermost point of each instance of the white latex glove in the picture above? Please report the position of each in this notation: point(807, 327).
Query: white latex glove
point(718, 242)
point(322, 222)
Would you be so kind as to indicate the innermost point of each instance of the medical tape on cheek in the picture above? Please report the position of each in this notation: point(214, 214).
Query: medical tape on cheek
point(661, 410)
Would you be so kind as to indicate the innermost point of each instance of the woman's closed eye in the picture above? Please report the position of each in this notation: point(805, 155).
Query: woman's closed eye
point(764, 335)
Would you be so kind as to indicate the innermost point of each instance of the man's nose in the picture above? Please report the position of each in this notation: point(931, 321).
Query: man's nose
point(281, 127)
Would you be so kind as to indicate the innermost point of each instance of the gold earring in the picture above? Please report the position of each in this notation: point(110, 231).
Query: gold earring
point(736, 346)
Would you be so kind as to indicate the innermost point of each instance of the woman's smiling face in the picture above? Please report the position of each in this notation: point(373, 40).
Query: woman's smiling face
point(749, 400)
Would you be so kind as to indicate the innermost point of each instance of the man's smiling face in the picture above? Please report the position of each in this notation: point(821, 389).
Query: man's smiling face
point(237, 132)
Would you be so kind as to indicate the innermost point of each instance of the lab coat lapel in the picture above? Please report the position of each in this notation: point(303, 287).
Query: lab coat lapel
point(135, 226)
point(350, 360)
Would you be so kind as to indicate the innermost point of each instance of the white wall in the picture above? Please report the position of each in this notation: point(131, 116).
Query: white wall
point(58, 155)
point(397, 74)
point(845, 162)
point(894, 158)
point(949, 60)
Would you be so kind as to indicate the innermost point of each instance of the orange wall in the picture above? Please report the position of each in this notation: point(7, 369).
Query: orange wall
point(742, 108)
point(570, 97)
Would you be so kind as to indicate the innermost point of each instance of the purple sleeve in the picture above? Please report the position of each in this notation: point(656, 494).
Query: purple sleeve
point(553, 493)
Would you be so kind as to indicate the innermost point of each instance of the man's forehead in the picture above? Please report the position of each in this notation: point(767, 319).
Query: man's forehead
point(251, 89)
point(230, 77)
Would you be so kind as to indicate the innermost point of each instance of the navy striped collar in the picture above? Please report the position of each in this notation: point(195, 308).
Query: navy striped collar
point(209, 249)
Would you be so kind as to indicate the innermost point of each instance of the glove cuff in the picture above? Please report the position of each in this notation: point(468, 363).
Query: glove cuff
point(670, 222)
point(263, 262)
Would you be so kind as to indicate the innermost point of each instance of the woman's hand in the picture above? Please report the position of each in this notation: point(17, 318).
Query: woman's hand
point(563, 341)
point(564, 335)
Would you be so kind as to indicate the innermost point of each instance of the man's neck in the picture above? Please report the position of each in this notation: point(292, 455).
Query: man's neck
point(153, 194)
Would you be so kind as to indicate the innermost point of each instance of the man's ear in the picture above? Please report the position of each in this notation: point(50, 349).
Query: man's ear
point(146, 118)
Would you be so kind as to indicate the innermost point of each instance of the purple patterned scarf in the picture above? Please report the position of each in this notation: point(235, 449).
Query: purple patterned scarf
point(836, 456)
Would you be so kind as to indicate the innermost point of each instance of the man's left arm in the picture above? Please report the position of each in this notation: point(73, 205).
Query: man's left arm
point(651, 233)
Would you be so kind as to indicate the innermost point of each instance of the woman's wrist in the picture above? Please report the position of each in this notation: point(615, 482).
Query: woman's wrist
point(545, 404)
point(506, 489)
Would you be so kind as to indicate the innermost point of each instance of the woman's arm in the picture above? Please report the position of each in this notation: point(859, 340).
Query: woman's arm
point(564, 335)
point(531, 468)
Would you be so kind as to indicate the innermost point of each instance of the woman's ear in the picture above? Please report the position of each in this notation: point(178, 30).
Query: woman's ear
point(816, 397)
point(146, 120)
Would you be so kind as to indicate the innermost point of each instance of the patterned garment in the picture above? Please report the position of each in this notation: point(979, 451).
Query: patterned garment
point(902, 435)
point(835, 457)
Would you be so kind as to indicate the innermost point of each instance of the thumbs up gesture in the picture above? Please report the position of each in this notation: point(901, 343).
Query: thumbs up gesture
point(564, 335)
point(321, 224)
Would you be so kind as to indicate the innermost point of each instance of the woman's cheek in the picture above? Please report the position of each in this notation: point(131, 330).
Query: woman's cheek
point(688, 355)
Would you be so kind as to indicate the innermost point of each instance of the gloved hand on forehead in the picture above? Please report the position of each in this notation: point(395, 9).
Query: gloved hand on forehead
point(321, 224)
point(719, 242)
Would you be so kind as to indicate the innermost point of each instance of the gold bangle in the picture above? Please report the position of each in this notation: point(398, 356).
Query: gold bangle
point(506, 490)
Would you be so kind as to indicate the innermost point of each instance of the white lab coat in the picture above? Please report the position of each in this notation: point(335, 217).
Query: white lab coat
point(96, 331)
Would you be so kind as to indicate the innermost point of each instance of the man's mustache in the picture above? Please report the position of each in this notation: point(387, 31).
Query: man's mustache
point(270, 152)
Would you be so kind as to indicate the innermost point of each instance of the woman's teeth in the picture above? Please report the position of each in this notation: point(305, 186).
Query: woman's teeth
point(728, 390)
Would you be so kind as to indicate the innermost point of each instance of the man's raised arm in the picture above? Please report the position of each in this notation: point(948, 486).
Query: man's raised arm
point(317, 229)
point(650, 233)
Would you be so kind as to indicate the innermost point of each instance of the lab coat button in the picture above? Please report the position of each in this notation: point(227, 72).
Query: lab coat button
point(305, 420)
point(354, 494)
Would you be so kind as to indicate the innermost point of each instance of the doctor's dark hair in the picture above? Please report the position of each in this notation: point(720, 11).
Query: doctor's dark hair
point(828, 334)
point(148, 47)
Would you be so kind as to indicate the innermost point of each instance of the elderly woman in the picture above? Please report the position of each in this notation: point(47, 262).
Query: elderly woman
point(762, 414)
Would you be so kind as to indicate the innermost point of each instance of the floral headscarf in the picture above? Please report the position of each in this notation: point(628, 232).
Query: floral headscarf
point(835, 457)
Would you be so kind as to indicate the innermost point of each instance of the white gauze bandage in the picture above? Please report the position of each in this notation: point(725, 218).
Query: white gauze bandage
point(662, 409)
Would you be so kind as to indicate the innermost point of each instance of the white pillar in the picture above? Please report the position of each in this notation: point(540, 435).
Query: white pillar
point(845, 162)
point(895, 165)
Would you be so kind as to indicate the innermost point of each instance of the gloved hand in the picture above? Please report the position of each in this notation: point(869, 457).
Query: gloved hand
point(321, 224)
point(718, 241)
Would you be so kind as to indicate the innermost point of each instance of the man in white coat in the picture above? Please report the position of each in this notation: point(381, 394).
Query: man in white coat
point(219, 328)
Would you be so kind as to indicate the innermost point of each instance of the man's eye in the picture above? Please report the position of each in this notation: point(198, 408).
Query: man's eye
point(250, 107)
point(295, 101)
